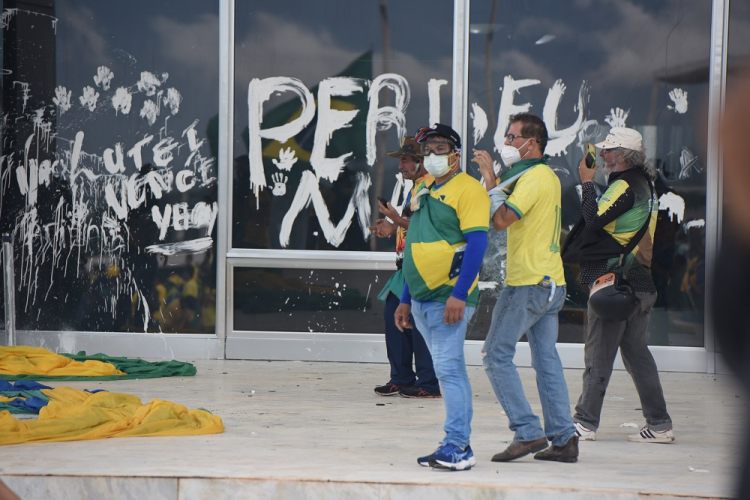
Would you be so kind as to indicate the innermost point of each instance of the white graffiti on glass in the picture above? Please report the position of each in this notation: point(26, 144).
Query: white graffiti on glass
point(94, 199)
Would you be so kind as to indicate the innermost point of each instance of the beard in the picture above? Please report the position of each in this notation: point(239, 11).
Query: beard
point(608, 169)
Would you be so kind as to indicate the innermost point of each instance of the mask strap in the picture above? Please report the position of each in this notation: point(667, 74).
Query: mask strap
point(522, 145)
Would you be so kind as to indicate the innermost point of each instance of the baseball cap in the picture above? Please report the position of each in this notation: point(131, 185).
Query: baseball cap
point(409, 146)
point(622, 137)
point(439, 129)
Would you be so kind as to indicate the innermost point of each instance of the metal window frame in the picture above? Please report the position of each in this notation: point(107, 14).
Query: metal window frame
point(714, 177)
point(226, 166)
point(320, 346)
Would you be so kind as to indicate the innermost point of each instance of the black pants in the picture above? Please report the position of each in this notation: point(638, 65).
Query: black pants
point(404, 346)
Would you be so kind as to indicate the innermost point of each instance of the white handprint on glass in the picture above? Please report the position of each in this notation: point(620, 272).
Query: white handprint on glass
point(62, 98)
point(679, 98)
point(89, 98)
point(287, 158)
point(617, 117)
point(279, 184)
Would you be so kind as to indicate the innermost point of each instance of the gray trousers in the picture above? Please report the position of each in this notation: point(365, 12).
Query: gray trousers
point(602, 341)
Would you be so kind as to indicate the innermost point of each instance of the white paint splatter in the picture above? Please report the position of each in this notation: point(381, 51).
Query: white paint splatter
point(481, 123)
point(148, 83)
point(508, 107)
point(287, 159)
point(259, 91)
point(26, 91)
point(545, 39)
point(330, 120)
point(62, 98)
point(488, 285)
point(674, 204)
point(309, 190)
point(122, 100)
point(688, 163)
point(149, 111)
point(279, 184)
point(694, 223)
point(680, 100)
point(383, 118)
point(559, 140)
point(183, 247)
point(89, 98)
point(617, 117)
point(173, 100)
point(433, 96)
point(103, 77)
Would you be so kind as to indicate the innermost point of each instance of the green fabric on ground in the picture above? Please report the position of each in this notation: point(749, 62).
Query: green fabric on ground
point(133, 367)
point(21, 394)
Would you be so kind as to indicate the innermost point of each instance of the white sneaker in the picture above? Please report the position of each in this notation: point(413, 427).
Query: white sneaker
point(646, 435)
point(583, 433)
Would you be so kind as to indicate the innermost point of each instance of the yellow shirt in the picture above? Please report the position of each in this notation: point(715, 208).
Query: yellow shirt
point(534, 239)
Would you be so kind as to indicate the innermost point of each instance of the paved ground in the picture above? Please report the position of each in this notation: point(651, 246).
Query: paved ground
point(317, 430)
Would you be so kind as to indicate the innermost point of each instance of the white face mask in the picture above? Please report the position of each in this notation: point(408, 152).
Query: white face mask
point(437, 165)
point(511, 155)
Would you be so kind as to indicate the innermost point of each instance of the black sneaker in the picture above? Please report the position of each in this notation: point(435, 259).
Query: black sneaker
point(418, 392)
point(388, 390)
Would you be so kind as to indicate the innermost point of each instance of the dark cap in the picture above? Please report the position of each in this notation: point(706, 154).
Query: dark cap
point(409, 146)
point(439, 129)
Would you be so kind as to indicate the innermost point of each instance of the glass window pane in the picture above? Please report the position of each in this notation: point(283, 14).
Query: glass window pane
point(109, 172)
point(308, 300)
point(315, 81)
point(588, 66)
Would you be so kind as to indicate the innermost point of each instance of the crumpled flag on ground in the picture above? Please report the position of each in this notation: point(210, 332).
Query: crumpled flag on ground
point(37, 363)
point(80, 415)
point(28, 397)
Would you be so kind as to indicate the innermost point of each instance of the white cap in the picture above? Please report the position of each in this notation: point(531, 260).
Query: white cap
point(622, 137)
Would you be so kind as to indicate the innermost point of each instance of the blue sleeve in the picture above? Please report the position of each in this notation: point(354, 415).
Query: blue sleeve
point(405, 295)
point(476, 244)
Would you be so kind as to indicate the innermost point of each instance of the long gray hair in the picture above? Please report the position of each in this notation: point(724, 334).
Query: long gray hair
point(637, 159)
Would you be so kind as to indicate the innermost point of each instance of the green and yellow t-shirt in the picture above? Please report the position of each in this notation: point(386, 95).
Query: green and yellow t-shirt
point(435, 238)
point(534, 240)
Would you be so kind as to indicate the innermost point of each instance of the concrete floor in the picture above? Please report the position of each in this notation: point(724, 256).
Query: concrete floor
point(317, 430)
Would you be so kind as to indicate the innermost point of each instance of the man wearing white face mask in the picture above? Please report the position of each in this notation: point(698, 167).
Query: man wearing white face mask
point(444, 248)
point(526, 201)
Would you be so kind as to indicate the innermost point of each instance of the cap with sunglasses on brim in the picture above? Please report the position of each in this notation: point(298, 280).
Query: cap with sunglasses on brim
point(622, 137)
point(439, 129)
point(409, 146)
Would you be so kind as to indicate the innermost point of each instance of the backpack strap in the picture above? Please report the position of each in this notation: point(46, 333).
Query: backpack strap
point(642, 231)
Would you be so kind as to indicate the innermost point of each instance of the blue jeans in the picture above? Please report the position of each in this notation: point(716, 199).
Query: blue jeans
point(446, 345)
point(404, 346)
point(527, 310)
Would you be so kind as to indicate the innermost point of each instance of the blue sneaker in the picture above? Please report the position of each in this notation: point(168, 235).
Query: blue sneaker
point(425, 461)
point(450, 456)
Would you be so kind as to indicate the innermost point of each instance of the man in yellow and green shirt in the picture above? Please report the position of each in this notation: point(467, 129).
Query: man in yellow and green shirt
point(526, 201)
point(445, 245)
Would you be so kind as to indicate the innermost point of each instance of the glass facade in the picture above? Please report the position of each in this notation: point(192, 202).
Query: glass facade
point(315, 300)
point(585, 67)
point(109, 170)
point(318, 102)
point(110, 161)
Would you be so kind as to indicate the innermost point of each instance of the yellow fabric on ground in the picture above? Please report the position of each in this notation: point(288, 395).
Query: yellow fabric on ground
point(77, 415)
point(5, 399)
point(25, 360)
